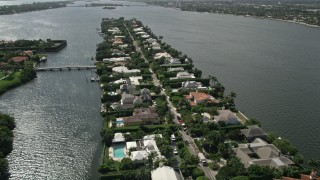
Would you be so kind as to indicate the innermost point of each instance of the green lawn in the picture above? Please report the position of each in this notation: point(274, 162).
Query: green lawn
point(1, 74)
point(8, 84)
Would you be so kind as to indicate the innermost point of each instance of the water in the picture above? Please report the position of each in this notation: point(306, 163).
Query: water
point(273, 66)
point(118, 150)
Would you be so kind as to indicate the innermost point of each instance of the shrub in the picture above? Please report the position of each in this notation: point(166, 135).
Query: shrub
point(197, 172)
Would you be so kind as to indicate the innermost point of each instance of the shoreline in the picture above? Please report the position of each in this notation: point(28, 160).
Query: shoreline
point(274, 19)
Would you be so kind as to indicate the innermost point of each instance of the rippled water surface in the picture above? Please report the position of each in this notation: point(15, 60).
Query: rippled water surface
point(273, 67)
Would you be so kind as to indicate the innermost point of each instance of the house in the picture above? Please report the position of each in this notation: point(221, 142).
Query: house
point(253, 132)
point(191, 85)
point(227, 117)
point(116, 59)
point(131, 145)
point(127, 88)
point(118, 137)
point(175, 69)
point(129, 100)
point(122, 46)
point(155, 46)
point(152, 136)
point(145, 94)
point(206, 117)
point(165, 173)
point(19, 59)
point(145, 36)
point(114, 30)
point(139, 156)
point(117, 42)
point(123, 69)
point(199, 97)
point(135, 79)
point(138, 29)
point(183, 75)
point(27, 53)
point(160, 55)
point(151, 146)
point(261, 153)
point(117, 52)
point(142, 115)
point(121, 81)
point(151, 41)
point(174, 61)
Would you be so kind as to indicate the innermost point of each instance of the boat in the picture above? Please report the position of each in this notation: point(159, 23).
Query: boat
point(43, 59)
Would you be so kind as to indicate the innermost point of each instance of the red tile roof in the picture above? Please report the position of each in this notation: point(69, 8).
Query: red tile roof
point(19, 59)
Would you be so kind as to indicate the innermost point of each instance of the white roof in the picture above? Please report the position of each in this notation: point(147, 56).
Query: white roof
point(120, 81)
point(131, 144)
point(152, 136)
point(125, 70)
point(135, 80)
point(163, 173)
point(159, 55)
point(138, 155)
point(118, 137)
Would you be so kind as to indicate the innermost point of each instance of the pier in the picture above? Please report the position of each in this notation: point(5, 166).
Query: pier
point(61, 68)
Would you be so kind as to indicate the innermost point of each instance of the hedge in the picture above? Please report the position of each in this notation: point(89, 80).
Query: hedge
point(119, 113)
point(148, 86)
point(233, 127)
point(151, 128)
point(111, 176)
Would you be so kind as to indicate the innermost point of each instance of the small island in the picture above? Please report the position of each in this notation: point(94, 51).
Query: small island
point(36, 6)
point(18, 60)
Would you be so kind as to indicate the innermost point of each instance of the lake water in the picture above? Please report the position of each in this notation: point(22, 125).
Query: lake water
point(273, 66)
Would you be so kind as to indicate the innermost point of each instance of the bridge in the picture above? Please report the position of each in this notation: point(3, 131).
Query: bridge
point(61, 68)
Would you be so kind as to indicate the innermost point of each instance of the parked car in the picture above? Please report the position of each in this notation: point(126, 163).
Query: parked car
point(175, 151)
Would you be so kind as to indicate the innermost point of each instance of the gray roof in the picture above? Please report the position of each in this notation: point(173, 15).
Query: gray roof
point(268, 154)
point(191, 84)
point(225, 115)
point(253, 131)
point(127, 98)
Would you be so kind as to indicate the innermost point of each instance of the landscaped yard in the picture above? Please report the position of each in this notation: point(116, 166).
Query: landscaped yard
point(1, 74)
point(7, 84)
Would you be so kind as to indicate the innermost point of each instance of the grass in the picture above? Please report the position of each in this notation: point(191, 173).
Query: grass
point(1, 74)
point(105, 154)
point(5, 85)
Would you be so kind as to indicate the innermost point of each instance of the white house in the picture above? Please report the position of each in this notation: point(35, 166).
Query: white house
point(123, 69)
point(183, 75)
point(160, 55)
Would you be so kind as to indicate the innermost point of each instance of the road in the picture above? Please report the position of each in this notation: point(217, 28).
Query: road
point(191, 145)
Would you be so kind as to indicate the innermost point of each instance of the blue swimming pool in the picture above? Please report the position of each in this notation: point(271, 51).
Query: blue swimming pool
point(118, 150)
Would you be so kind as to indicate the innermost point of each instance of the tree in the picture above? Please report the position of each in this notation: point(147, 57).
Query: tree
point(7, 121)
point(126, 164)
point(197, 172)
point(166, 150)
point(225, 150)
point(197, 73)
point(107, 136)
point(4, 169)
point(142, 174)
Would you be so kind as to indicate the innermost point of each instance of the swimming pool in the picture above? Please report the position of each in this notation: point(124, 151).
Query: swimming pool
point(118, 150)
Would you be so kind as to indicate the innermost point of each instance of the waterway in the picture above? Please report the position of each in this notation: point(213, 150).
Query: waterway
point(273, 66)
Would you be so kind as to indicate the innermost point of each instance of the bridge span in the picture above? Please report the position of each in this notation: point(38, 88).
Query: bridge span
point(61, 68)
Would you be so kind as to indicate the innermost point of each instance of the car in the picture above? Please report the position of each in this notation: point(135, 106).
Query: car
point(175, 151)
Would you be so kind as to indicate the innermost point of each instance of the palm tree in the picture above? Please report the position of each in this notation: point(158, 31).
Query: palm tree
point(212, 79)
